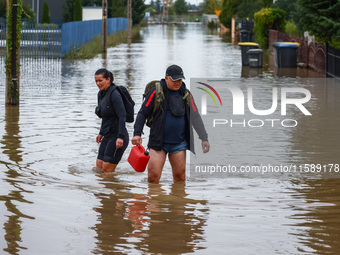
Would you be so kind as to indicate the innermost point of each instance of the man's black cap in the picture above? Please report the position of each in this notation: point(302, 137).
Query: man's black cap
point(175, 72)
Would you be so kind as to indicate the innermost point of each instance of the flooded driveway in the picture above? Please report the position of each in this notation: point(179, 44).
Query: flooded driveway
point(52, 201)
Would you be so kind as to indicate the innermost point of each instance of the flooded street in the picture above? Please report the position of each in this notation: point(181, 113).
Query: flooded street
point(52, 201)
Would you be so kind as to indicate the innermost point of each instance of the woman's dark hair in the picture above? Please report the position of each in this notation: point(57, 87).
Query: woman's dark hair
point(106, 74)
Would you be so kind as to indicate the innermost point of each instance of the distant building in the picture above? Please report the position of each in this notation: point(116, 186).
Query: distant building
point(210, 17)
point(55, 7)
point(92, 13)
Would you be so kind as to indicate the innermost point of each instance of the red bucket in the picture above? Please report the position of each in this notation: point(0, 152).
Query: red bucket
point(138, 158)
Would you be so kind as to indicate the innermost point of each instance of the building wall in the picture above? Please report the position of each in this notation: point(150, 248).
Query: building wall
point(92, 13)
point(55, 7)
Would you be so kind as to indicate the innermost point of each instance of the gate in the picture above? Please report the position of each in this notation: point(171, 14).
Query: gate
point(333, 62)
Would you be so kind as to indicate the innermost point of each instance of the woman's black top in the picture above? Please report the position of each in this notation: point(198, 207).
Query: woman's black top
point(113, 113)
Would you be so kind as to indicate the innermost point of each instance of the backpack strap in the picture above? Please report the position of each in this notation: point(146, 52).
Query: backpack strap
point(159, 98)
point(186, 97)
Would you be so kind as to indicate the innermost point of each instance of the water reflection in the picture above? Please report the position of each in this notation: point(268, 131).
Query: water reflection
point(112, 228)
point(248, 72)
point(176, 222)
point(319, 224)
point(11, 139)
point(11, 146)
point(155, 221)
point(317, 138)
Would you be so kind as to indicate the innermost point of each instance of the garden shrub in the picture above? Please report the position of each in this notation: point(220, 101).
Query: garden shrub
point(265, 19)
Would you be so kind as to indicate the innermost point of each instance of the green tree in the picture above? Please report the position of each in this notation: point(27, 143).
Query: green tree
point(152, 4)
point(45, 17)
point(91, 2)
point(267, 3)
point(247, 8)
point(138, 11)
point(77, 11)
point(181, 7)
point(158, 6)
point(229, 9)
point(320, 18)
point(3, 8)
point(151, 10)
point(289, 6)
point(118, 8)
point(27, 13)
point(212, 6)
point(68, 10)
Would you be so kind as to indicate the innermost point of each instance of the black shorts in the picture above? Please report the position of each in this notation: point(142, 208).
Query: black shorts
point(107, 149)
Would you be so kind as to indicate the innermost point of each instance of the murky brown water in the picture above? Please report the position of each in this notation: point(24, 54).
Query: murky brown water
point(52, 202)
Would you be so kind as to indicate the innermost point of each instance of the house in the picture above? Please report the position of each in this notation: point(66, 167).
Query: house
point(92, 12)
point(55, 7)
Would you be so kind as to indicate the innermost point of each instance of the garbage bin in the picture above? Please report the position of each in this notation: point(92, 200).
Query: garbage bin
point(245, 46)
point(255, 57)
point(245, 36)
point(285, 54)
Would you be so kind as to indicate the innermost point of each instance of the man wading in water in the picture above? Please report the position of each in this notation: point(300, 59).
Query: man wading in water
point(171, 127)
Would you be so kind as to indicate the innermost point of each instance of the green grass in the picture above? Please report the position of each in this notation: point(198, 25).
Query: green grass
point(95, 47)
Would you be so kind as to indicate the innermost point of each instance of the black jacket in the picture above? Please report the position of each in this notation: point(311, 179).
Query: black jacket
point(113, 113)
point(157, 127)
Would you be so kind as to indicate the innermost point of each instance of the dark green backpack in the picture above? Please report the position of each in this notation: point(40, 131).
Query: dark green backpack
point(160, 98)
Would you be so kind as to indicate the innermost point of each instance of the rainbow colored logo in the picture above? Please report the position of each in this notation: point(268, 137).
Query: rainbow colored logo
point(209, 93)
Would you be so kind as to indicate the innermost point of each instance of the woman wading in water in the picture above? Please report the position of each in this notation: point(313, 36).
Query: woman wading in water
point(113, 136)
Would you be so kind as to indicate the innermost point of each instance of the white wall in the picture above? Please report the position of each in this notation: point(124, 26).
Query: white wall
point(91, 13)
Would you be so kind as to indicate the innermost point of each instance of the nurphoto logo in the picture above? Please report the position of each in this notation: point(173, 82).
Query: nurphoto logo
point(204, 97)
point(279, 101)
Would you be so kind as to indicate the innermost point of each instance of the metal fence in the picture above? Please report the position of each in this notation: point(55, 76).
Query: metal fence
point(49, 40)
point(40, 41)
point(2, 39)
point(43, 40)
point(333, 62)
point(75, 34)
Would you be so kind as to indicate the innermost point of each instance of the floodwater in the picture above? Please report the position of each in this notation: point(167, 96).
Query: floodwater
point(52, 201)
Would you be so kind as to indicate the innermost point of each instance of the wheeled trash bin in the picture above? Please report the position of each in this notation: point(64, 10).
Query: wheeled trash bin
point(245, 46)
point(255, 57)
point(285, 54)
point(245, 36)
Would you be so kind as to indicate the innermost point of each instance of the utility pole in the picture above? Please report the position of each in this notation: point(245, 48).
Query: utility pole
point(104, 25)
point(129, 16)
point(12, 53)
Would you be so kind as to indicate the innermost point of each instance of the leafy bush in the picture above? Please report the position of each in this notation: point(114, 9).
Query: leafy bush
point(335, 44)
point(292, 29)
point(265, 19)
